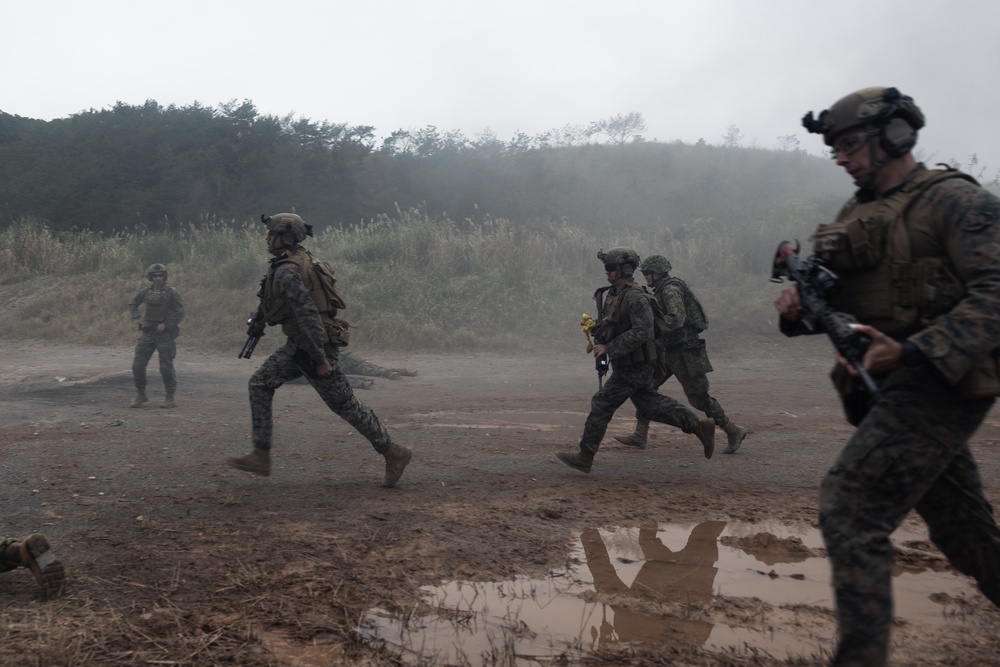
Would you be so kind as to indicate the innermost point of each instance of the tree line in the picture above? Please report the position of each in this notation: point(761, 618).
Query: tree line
point(155, 167)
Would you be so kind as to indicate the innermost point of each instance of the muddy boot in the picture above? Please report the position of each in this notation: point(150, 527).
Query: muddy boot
point(396, 459)
point(258, 462)
point(392, 375)
point(168, 403)
point(582, 461)
point(140, 399)
point(705, 430)
point(736, 435)
point(34, 553)
point(638, 438)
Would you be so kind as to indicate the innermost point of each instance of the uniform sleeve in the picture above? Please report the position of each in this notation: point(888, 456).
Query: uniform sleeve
point(176, 314)
point(969, 219)
point(288, 281)
point(672, 302)
point(133, 305)
point(641, 318)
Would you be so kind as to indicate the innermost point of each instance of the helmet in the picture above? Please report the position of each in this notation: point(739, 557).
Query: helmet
point(156, 269)
point(893, 115)
point(656, 264)
point(625, 258)
point(289, 226)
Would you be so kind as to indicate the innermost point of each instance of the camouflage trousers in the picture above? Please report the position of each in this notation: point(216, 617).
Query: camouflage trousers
point(911, 451)
point(283, 366)
point(151, 341)
point(4, 543)
point(691, 371)
point(635, 383)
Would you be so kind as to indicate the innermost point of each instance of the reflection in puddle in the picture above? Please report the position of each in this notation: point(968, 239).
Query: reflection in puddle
point(657, 584)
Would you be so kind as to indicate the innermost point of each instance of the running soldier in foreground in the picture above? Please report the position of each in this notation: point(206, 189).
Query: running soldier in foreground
point(917, 253)
point(300, 295)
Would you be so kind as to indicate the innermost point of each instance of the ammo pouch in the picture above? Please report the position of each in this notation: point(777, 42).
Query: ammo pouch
point(983, 379)
point(881, 283)
point(695, 357)
point(661, 369)
point(337, 331)
point(854, 397)
point(854, 243)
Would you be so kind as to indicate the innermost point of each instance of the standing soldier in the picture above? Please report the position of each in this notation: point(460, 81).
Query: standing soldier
point(686, 357)
point(158, 327)
point(300, 295)
point(917, 252)
point(625, 333)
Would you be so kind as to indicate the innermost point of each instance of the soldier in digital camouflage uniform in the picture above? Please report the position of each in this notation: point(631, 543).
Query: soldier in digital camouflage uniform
point(917, 252)
point(294, 297)
point(626, 335)
point(359, 371)
point(158, 327)
point(354, 365)
point(34, 553)
point(686, 356)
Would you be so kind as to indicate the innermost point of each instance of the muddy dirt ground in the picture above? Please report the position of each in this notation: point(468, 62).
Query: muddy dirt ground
point(175, 559)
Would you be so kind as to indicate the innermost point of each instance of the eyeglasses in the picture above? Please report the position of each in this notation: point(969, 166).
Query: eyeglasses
point(608, 268)
point(849, 143)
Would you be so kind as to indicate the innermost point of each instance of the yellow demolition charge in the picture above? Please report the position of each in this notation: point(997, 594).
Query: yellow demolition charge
point(587, 324)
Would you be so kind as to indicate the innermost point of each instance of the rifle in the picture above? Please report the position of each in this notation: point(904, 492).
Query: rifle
point(255, 325)
point(601, 362)
point(816, 285)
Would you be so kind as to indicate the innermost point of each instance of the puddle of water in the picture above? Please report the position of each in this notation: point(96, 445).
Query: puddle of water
point(611, 593)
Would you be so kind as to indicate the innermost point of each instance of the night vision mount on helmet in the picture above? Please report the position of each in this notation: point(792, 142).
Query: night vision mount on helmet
point(625, 258)
point(892, 116)
point(290, 227)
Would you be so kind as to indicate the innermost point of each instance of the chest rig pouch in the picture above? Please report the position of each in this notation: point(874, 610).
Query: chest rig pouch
point(881, 283)
point(157, 305)
point(317, 277)
point(617, 321)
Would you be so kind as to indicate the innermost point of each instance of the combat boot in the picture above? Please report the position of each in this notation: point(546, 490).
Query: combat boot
point(638, 438)
point(34, 553)
point(258, 462)
point(168, 403)
point(140, 399)
point(396, 459)
point(705, 430)
point(582, 461)
point(736, 435)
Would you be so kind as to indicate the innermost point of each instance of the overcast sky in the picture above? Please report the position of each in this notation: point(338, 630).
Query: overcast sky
point(691, 68)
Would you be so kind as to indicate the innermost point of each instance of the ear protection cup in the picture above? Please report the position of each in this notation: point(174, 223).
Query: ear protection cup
point(897, 137)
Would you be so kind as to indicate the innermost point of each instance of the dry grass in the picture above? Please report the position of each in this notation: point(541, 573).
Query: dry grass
point(412, 282)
